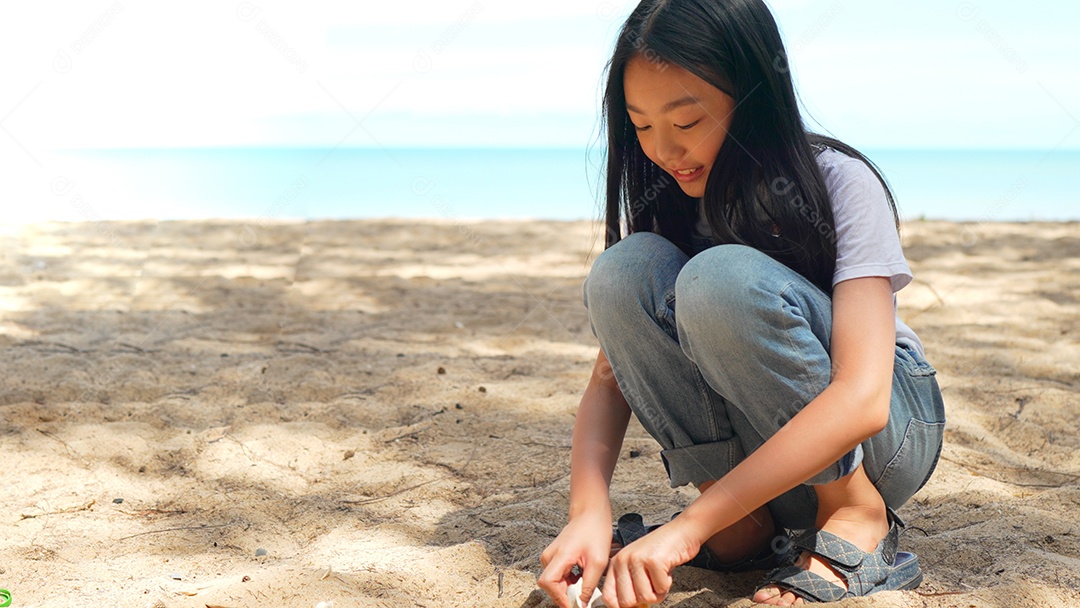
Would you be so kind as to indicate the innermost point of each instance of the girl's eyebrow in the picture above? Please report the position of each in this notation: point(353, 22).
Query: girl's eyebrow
point(669, 106)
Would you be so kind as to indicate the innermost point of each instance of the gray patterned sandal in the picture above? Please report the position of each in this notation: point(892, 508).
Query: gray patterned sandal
point(883, 570)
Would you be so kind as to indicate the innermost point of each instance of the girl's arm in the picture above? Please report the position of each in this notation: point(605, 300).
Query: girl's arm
point(598, 435)
point(853, 408)
point(599, 429)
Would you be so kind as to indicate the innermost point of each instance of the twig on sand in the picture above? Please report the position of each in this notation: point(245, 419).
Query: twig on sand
point(546, 445)
point(179, 529)
point(299, 347)
point(154, 512)
point(85, 507)
point(135, 347)
point(427, 415)
point(368, 501)
point(59, 345)
point(361, 393)
point(409, 434)
point(71, 450)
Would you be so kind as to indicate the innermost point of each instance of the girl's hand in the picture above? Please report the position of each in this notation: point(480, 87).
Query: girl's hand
point(585, 542)
point(641, 572)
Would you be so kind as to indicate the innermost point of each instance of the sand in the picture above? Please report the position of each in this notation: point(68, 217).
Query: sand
point(378, 413)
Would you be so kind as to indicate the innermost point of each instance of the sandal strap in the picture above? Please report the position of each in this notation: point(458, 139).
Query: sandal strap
point(842, 554)
point(629, 528)
point(805, 584)
point(864, 572)
point(893, 517)
point(830, 547)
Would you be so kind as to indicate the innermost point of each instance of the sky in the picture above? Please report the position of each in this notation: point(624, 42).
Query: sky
point(451, 73)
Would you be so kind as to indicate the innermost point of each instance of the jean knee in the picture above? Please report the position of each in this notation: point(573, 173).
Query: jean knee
point(715, 290)
point(626, 273)
point(726, 269)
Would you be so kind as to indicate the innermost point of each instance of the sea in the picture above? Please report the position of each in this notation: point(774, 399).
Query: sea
point(272, 184)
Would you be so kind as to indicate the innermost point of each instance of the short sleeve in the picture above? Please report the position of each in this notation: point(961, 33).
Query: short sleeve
point(867, 242)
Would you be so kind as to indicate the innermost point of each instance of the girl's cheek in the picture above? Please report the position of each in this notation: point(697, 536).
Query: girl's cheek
point(647, 148)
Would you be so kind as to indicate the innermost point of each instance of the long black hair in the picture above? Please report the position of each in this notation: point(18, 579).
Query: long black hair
point(765, 189)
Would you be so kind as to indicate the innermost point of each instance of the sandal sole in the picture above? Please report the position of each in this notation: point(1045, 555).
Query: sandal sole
point(905, 575)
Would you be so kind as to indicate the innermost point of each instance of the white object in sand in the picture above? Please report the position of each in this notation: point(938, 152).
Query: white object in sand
point(574, 592)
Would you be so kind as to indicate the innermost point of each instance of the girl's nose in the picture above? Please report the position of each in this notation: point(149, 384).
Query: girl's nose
point(669, 151)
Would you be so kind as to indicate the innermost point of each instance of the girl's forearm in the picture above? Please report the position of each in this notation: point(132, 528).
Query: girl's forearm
point(598, 435)
point(827, 428)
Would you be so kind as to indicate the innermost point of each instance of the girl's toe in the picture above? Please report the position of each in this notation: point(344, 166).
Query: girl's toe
point(767, 595)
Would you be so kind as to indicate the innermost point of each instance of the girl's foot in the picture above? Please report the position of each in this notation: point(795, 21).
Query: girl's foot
point(850, 508)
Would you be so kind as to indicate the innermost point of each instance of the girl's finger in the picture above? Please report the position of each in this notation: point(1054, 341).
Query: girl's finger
point(545, 557)
point(643, 586)
point(660, 579)
point(608, 593)
point(590, 577)
point(624, 586)
point(553, 581)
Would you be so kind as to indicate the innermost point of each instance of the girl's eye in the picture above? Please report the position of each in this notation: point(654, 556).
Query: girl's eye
point(683, 127)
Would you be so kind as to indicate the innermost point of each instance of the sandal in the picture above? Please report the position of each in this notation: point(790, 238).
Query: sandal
point(865, 573)
point(631, 527)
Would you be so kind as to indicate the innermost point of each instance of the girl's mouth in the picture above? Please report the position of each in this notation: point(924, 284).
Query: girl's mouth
point(689, 175)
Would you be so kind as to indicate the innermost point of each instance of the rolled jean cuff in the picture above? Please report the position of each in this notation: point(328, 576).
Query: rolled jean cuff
point(703, 462)
point(841, 468)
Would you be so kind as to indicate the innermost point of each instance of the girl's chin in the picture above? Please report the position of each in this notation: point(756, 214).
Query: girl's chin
point(693, 190)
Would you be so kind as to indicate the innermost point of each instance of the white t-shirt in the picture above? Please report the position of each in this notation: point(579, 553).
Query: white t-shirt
point(867, 243)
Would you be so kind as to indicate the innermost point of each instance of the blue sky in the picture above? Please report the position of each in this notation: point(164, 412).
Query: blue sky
point(128, 73)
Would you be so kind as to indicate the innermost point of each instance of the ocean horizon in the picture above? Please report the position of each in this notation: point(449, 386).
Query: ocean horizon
point(476, 183)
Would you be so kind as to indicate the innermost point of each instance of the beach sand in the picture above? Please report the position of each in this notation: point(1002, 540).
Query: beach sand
point(384, 408)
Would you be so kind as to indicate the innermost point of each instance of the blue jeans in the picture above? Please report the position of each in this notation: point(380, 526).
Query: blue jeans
point(748, 350)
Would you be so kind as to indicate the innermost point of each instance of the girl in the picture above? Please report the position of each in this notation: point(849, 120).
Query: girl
point(748, 319)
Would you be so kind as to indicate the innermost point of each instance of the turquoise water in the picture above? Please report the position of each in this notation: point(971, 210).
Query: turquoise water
point(484, 183)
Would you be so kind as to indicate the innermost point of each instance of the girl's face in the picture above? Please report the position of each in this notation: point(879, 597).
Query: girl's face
point(681, 120)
